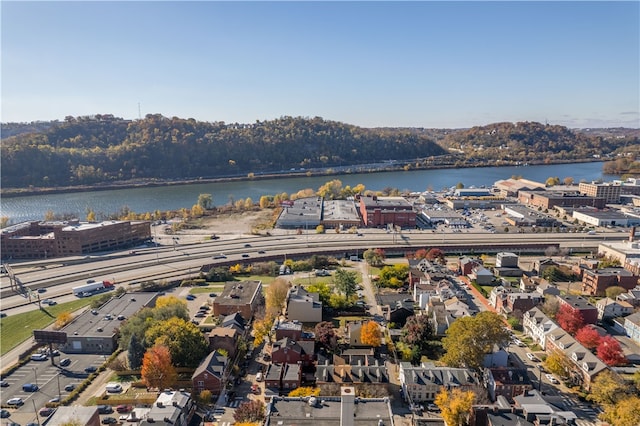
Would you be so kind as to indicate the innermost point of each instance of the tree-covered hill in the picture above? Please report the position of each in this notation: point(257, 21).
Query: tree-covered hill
point(103, 149)
point(531, 142)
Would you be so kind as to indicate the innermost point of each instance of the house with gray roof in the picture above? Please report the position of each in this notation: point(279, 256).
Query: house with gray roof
point(422, 383)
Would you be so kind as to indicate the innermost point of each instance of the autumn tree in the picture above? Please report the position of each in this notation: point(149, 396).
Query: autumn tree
point(588, 337)
point(276, 296)
point(63, 319)
point(326, 335)
point(394, 276)
point(157, 369)
point(558, 363)
point(610, 352)
point(172, 301)
point(323, 289)
point(331, 190)
point(205, 396)
point(550, 306)
point(455, 406)
point(249, 411)
point(304, 391)
point(370, 334)
point(625, 412)
point(417, 332)
point(435, 254)
point(261, 330)
point(345, 281)
point(614, 291)
point(570, 320)
point(469, 339)
point(183, 338)
point(374, 257)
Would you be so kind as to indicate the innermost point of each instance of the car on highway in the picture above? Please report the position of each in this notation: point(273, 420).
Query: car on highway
point(42, 290)
point(551, 378)
point(46, 411)
point(245, 254)
point(15, 401)
point(219, 256)
point(247, 245)
point(261, 252)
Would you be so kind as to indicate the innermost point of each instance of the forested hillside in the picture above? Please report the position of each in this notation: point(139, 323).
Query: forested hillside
point(531, 142)
point(103, 149)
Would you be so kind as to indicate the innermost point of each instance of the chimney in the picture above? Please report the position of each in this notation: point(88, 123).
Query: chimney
point(347, 407)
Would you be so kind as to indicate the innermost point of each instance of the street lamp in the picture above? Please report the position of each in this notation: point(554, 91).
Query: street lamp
point(59, 393)
point(35, 375)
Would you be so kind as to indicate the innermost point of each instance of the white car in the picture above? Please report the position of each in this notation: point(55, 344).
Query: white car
point(15, 401)
point(551, 379)
point(532, 357)
point(518, 342)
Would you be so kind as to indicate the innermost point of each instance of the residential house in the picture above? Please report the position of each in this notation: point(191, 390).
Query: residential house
point(541, 265)
point(288, 351)
point(506, 260)
point(632, 297)
point(467, 265)
point(482, 275)
point(580, 304)
point(282, 378)
point(290, 329)
point(440, 317)
point(542, 410)
point(423, 383)
point(632, 327)
point(507, 382)
point(537, 325)
point(518, 303)
point(303, 306)
point(209, 374)
point(457, 308)
point(242, 297)
point(174, 408)
point(352, 366)
point(586, 366)
point(399, 313)
point(224, 338)
point(595, 282)
point(609, 308)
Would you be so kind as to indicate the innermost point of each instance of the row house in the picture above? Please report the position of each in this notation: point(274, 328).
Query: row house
point(506, 382)
point(288, 351)
point(609, 308)
point(595, 282)
point(537, 325)
point(440, 317)
point(243, 297)
point(355, 372)
point(541, 265)
point(632, 297)
point(209, 375)
point(282, 378)
point(580, 304)
point(303, 306)
point(632, 327)
point(520, 302)
point(423, 383)
point(467, 264)
point(227, 335)
point(586, 366)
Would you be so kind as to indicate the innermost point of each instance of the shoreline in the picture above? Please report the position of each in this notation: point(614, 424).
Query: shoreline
point(152, 183)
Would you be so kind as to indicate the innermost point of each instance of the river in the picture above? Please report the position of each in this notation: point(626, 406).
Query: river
point(34, 207)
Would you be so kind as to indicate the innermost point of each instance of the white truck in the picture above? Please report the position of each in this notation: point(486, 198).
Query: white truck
point(92, 288)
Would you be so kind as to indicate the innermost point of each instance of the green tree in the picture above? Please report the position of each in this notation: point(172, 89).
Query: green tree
point(469, 339)
point(345, 282)
point(323, 289)
point(205, 201)
point(135, 352)
point(614, 291)
point(374, 257)
point(183, 338)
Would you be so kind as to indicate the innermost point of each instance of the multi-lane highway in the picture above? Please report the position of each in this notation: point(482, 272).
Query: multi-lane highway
point(58, 276)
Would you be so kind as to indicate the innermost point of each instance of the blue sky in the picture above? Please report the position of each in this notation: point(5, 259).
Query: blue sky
point(422, 64)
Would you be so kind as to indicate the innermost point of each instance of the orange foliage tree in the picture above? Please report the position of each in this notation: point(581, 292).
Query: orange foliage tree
point(370, 334)
point(157, 369)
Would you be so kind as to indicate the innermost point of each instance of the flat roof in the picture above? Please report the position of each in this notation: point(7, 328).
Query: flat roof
point(296, 411)
point(238, 293)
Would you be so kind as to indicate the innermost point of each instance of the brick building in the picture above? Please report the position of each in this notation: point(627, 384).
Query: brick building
point(595, 282)
point(243, 297)
point(582, 305)
point(382, 211)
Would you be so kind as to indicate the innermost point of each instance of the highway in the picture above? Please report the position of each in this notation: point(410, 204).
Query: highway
point(185, 260)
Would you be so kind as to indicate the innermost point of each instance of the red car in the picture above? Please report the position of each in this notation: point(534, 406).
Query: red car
point(123, 408)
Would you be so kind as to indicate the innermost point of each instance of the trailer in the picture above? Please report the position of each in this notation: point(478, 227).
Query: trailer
point(92, 288)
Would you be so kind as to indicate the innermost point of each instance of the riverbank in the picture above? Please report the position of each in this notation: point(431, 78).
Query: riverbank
point(404, 165)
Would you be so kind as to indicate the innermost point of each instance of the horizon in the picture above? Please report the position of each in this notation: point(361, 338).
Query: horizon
point(432, 65)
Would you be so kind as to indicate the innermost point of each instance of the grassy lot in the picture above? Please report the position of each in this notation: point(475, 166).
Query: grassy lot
point(19, 327)
point(208, 289)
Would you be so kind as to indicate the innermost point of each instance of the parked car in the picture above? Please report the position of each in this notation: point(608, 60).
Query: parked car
point(532, 357)
point(200, 315)
point(4, 414)
point(123, 408)
point(109, 420)
point(38, 357)
point(15, 401)
point(54, 400)
point(551, 379)
point(518, 342)
point(46, 411)
point(70, 387)
point(190, 297)
point(91, 369)
point(30, 387)
point(212, 294)
point(65, 362)
point(4, 383)
point(105, 409)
